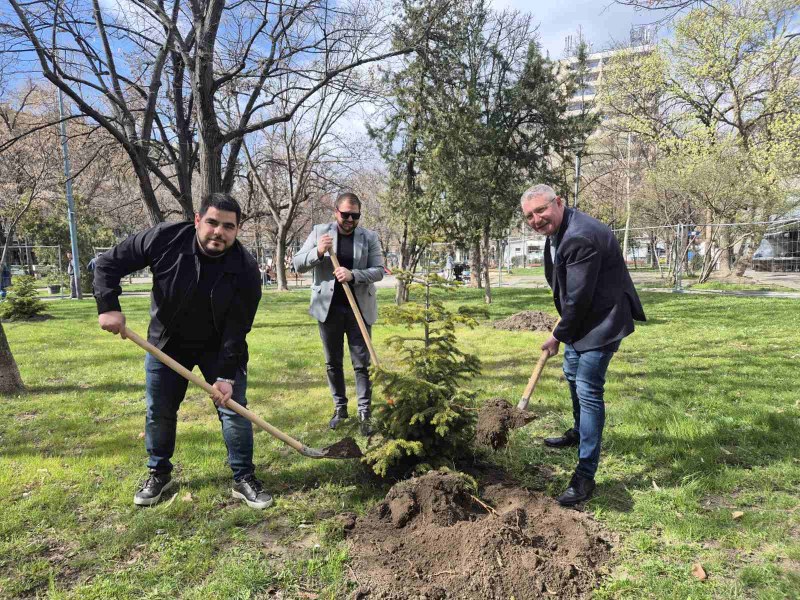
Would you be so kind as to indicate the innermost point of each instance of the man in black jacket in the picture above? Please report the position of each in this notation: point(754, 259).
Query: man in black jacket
point(595, 297)
point(206, 289)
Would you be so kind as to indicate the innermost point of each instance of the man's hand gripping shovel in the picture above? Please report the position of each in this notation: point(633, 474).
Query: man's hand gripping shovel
point(346, 448)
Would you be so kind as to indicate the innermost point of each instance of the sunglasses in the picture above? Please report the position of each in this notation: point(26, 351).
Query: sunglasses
point(350, 215)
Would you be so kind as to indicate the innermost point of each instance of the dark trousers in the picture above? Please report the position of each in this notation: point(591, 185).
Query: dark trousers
point(341, 321)
point(586, 374)
point(165, 390)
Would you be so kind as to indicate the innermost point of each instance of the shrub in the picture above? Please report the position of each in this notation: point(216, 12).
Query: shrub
point(23, 302)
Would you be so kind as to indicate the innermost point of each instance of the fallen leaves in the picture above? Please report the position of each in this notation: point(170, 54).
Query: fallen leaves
point(737, 514)
point(187, 497)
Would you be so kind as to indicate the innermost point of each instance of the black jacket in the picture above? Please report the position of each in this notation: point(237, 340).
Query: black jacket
point(169, 250)
point(592, 288)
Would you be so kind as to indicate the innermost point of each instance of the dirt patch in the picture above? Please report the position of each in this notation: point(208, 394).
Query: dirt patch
point(346, 448)
point(430, 538)
point(527, 320)
point(495, 419)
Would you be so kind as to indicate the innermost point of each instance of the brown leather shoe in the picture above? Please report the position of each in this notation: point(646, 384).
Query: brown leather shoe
point(570, 438)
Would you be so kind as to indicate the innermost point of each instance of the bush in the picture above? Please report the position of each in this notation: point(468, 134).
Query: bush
point(426, 422)
point(23, 302)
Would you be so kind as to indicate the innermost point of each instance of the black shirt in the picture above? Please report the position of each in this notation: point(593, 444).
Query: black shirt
point(345, 256)
point(193, 328)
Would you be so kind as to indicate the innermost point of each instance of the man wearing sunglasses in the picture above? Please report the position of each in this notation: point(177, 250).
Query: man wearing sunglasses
point(595, 297)
point(361, 265)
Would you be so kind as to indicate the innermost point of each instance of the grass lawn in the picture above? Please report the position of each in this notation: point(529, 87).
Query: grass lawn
point(702, 423)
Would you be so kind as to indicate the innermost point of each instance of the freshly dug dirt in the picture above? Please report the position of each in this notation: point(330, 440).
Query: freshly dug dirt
point(495, 419)
point(346, 448)
point(527, 320)
point(431, 539)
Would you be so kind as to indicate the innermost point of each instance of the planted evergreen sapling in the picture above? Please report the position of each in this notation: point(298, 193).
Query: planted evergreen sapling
point(426, 421)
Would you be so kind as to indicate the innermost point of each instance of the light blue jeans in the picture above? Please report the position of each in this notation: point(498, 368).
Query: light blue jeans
point(586, 375)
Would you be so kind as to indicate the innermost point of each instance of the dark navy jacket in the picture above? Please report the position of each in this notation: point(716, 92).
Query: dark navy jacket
point(169, 250)
point(592, 288)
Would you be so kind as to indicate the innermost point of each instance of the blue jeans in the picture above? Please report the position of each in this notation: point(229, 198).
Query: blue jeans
point(165, 390)
point(341, 320)
point(586, 375)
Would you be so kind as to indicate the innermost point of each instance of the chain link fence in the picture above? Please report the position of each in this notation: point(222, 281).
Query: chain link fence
point(701, 251)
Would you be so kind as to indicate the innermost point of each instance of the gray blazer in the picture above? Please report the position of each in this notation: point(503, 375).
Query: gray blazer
point(367, 269)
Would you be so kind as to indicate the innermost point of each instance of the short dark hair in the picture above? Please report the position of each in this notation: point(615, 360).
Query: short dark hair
point(349, 197)
point(221, 201)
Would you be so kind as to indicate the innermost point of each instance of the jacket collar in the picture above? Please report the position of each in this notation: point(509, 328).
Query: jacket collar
point(568, 212)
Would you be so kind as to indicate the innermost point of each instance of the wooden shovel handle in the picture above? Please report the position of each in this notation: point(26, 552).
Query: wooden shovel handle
point(352, 299)
point(534, 378)
point(234, 406)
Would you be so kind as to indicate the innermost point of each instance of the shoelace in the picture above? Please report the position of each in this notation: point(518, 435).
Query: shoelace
point(254, 483)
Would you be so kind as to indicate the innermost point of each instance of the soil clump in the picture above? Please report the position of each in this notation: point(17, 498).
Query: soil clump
point(433, 538)
point(495, 419)
point(346, 448)
point(527, 320)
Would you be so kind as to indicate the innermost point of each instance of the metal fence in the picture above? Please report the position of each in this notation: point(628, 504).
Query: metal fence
point(700, 251)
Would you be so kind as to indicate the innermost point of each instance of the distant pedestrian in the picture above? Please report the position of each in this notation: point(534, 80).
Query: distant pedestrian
point(73, 282)
point(5, 280)
point(448, 266)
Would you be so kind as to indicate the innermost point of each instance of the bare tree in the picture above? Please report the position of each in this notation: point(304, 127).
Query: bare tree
point(304, 157)
point(155, 73)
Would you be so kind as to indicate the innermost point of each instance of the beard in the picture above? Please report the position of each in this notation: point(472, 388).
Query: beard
point(208, 249)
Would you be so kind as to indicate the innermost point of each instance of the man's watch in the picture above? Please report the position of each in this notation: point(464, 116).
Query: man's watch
point(228, 381)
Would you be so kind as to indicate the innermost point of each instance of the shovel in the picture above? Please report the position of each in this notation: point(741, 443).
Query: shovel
point(346, 448)
point(352, 299)
point(497, 417)
point(537, 371)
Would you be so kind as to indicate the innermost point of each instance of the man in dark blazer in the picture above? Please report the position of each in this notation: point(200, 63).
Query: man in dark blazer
point(595, 297)
point(360, 266)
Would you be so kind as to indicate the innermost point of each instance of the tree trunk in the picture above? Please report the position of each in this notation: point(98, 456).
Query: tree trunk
point(475, 264)
point(10, 379)
point(744, 261)
point(487, 293)
point(280, 260)
point(210, 166)
point(401, 293)
point(725, 257)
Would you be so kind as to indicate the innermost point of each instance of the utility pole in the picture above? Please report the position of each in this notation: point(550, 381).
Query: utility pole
point(73, 231)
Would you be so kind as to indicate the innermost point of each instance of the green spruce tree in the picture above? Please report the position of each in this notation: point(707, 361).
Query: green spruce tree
point(23, 302)
point(426, 422)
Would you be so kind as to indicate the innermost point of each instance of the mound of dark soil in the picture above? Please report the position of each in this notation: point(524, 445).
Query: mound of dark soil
point(527, 320)
point(431, 538)
point(495, 419)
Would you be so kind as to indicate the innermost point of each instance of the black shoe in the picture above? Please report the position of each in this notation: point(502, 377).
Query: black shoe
point(151, 491)
point(570, 438)
point(365, 422)
point(580, 489)
point(249, 489)
point(339, 414)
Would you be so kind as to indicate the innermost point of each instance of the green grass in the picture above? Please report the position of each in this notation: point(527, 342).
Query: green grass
point(740, 287)
point(703, 420)
point(526, 272)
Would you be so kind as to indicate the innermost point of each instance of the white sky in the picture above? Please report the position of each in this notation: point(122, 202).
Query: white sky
point(602, 21)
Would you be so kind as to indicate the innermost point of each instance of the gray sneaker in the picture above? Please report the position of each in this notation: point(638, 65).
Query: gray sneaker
point(249, 489)
point(150, 492)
